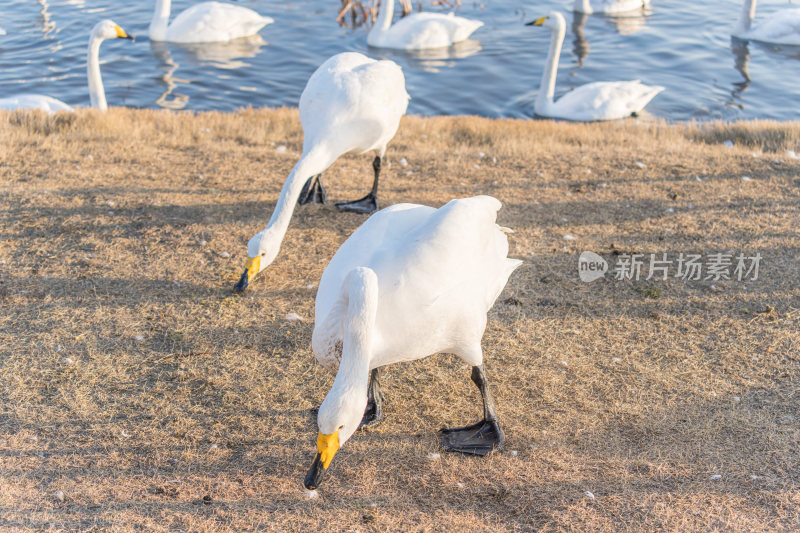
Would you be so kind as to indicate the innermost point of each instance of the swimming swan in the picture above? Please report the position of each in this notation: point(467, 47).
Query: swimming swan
point(418, 30)
point(351, 104)
point(410, 282)
point(780, 27)
point(105, 29)
point(602, 100)
point(609, 7)
point(206, 22)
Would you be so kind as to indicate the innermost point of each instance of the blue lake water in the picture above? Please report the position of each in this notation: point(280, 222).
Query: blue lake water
point(684, 45)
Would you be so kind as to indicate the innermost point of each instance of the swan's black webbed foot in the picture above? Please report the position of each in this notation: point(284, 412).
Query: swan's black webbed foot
point(313, 191)
point(476, 439)
point(373, 414)
point(483, 437)
point(364, 206)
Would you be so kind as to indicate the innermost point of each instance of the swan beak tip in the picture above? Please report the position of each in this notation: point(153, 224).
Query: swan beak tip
point(537, 22)
point(251, 268)
point(122, 34)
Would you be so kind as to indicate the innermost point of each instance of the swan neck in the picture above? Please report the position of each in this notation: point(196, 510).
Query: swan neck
point(747, 15)
point(360, 288)
point(547, 88)
point(311, 164)
point(385, 15)
point(96, 91)
point(583, 6)
point(160, 21)
point(349, 391)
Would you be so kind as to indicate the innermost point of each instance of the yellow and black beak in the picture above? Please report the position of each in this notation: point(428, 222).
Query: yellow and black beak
point(537, 22)
point(251, 268)
point(122, 34)
point(327, 446)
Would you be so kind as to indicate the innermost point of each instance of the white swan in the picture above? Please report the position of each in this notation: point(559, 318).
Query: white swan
point(609, 7)
point(351, 104)
point(206, 22)
point(780, 27)
point(602, 100)
point(418, 30)
point(410, 282)
point(105, 29)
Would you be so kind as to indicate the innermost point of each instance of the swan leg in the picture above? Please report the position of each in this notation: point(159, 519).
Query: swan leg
point(313, 191)
point(368, 204)
point(480, 438)
point(373, 414)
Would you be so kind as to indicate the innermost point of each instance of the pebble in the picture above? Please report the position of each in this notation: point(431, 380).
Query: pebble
point(110, 203)
point(671, 210)
point(68, 360)
point(481, 155)
point(640, 164)
point(616, 360)
point(310, 494)
point(59, 495)
point(224, 254)
point(514, 453)
point(792, 154)
point(280, 148)
point(564, 363)
point(203, 242)
point(294, 317)
point(715, 477)
point(139, 338)
point(434, 456)
point(403, 162)
point(568, 238)
point(124, 433)
point(747, 178)
point(728, 144)
point(460, 485)
point(589, 495)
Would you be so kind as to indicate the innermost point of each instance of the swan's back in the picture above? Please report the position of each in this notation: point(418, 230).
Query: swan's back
point(34, 101)
point(781, 27)
point(424, 30)
point(439, 272)
point(605, 100)
point(352, 104)
point(215, 22)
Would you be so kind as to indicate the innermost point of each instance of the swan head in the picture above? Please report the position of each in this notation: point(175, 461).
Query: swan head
point(339, 417)
point(262, 249)
point(108, 29)
point(553, 21)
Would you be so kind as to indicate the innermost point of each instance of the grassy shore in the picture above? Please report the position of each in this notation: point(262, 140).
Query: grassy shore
point(134, 384)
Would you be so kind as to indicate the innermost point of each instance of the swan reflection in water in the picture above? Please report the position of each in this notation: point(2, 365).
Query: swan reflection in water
point(741, 59)
point(224, 55)
point(625, 24)
point(431, 59)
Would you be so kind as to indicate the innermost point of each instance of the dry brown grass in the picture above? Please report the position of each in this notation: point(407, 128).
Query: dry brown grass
point(177, 389)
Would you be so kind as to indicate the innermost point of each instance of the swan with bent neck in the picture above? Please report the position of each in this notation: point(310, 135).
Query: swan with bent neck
point(105, 29)
point(602, 100)
point(412, 281)
point(419, 31)
point(351, 104)
point(205, 22)
point(780, 27)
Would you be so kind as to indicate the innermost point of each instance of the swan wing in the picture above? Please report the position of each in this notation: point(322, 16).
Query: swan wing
point(604, 100)
point(352, 104)
point(215, 22)
point(34, 101)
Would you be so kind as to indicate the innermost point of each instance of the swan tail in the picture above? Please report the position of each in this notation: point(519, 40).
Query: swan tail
point(349, 325)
